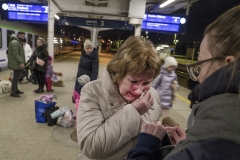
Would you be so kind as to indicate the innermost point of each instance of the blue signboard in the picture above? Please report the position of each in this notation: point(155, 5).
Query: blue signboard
point(73, 21)
point(27, 12)
point(28, 16)
point(160, 26)
point(27, 8)
point(165, 23)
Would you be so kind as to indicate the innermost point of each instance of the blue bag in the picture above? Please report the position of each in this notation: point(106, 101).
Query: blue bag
point(39, 110)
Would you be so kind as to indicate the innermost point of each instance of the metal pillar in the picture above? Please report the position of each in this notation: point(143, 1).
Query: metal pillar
point(188, 8)
point(94, 35)
point(52, 10)
point(137, 30)
point(136, 13)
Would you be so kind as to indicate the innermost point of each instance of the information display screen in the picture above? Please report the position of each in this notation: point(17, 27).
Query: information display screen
point(27, 8)
point(164, 23)
point(27, 12)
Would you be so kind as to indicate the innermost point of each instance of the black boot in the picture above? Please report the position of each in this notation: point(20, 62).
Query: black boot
point(37, 90)
point(40, 90)
point(14, 94)
point(19, 92)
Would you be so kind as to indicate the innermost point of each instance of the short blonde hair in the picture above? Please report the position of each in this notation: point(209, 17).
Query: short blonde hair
point(133, 57)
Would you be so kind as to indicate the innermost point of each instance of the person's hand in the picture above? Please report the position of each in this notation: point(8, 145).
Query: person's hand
point(22, 65)
point(173, 86)
point(143, 104)
point(157, 130)
point(176, 134)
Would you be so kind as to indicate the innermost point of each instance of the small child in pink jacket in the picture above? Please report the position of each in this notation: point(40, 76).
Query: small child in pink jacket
point(49, 74)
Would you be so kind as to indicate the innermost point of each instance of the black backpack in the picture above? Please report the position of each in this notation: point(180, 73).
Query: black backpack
point(47, 113)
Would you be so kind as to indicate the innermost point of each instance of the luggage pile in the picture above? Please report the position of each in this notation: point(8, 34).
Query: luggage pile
point(47, 112)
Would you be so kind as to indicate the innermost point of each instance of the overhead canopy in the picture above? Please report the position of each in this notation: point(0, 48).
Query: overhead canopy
point(109, 9)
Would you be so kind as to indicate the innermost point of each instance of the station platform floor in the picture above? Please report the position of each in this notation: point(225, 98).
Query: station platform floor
point(21, 138)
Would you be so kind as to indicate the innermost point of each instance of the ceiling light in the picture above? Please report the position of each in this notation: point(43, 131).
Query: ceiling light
point(166, 3)
point(56, 16)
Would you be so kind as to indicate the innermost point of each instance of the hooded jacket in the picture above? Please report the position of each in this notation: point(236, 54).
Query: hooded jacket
point(163, 84)
point(15, 54)
point(108, 125)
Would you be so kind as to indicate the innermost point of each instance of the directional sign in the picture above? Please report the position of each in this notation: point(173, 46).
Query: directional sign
point(74, 21)
point(165, 23)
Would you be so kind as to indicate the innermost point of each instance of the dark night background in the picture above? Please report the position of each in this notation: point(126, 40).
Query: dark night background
point(202, 13)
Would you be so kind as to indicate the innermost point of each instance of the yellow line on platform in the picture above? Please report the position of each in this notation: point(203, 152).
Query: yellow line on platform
point(183, 99)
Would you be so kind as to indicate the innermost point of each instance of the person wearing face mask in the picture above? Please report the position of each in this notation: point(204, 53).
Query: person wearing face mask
point(88, 65)
point(16, 61)
point(40, 53)
point(166, 83)
point(214, 133)
point(113, 108)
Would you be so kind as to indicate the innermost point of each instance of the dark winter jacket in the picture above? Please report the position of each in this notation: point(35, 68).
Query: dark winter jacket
point(211, 149)
point(215, 132)
point(15, 54)
point(88, 64)
point(42, 53)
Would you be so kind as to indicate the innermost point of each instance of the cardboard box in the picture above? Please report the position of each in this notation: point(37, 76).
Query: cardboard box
point(58, 84)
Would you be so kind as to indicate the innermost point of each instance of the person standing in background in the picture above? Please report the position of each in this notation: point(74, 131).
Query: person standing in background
point(88, 65)
point(28, 54)
point(16, 61)
point(49, 74)
point(166, 83)
point(40, 53)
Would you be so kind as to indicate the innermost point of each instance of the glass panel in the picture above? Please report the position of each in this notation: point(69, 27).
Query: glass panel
point(0, 38)
point(36, 38)
point(9, 33)
point(30, 39)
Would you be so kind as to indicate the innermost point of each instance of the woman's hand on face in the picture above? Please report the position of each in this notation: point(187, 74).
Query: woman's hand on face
point(157, 130)
point(143, 104)
point(176, 134)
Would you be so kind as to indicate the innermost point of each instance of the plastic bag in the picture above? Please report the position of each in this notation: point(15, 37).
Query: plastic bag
point(66, 119)
point(39, 110)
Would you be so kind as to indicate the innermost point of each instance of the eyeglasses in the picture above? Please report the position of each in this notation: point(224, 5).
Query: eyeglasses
point(194, 69)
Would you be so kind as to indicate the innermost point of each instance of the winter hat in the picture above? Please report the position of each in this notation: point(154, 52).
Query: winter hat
point(170, 61)
point(88, 43)
point(82, 80)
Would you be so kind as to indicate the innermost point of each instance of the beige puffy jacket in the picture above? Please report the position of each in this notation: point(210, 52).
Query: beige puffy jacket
point(107, 126)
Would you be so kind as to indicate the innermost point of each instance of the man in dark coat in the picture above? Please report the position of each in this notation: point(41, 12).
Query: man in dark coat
point(16, 60)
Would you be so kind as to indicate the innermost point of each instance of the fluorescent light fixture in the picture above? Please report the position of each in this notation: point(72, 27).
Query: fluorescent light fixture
point(166, 3)
point(165, 45)
point(56, 16)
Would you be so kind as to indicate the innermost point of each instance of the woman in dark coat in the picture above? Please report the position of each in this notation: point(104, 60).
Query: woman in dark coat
point(42, 54)
point(88, 64)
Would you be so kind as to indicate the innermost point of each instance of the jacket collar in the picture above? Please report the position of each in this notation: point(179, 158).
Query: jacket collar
point(217, 83)
point(112, 95)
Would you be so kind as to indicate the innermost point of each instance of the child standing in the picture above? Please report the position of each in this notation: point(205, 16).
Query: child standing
point(166, 84)
point(49, 74)
point(82, 80)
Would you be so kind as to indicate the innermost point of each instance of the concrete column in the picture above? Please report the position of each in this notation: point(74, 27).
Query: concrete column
point(94, 35)
point(188, 8)
point(138, 30)
point(52, 10)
